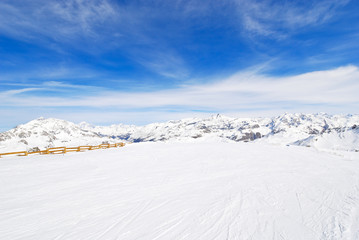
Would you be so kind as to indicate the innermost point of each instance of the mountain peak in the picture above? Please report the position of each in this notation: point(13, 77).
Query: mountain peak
point(85, 125)
point(217, 116)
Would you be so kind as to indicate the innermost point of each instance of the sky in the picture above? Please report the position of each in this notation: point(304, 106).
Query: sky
point(141, 61)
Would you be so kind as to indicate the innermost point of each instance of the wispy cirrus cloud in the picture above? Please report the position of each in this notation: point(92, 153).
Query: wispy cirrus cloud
point(61, 21)
point(147, 33)
point(56, 87)
point(94, 27)
point(47, 73)
point(168, 63)
point(278, 20)
point(11, 93)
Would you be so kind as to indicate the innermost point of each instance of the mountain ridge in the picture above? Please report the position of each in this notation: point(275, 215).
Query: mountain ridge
point(320, 130)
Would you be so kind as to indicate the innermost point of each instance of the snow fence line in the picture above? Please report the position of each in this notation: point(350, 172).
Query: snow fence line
point(63, 150)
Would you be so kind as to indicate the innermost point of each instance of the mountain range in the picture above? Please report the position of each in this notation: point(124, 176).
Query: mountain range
point(321, 131)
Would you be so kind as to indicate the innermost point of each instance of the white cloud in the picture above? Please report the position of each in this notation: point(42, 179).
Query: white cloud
point(61, 21)
point(166, 63)
point(278, 20)
point(96, 26)
point(242, 91)
point(10, 93)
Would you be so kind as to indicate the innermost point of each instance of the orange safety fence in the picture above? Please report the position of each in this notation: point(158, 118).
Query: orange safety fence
point(62, 150)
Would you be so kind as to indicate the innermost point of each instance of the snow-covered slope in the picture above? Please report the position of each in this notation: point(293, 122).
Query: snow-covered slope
point(323, 131)
point(182, 191)
point(43, 133)
point(345, 140)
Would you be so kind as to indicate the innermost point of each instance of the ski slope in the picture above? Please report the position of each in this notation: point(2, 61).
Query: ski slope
point(201, 190)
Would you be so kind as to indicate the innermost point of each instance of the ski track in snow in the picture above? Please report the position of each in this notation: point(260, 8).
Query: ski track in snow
point(181, 191)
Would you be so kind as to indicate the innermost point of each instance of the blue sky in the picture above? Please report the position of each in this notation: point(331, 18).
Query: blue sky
point(138, 62)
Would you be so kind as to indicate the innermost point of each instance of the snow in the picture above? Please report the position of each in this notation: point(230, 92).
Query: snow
point(178, 190)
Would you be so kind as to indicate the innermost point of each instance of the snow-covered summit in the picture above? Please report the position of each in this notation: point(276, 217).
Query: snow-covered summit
point(85, 125)
point(48, 132)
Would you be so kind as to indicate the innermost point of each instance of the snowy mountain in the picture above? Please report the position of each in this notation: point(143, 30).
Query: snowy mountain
point(43, 133)
point(322, 131)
